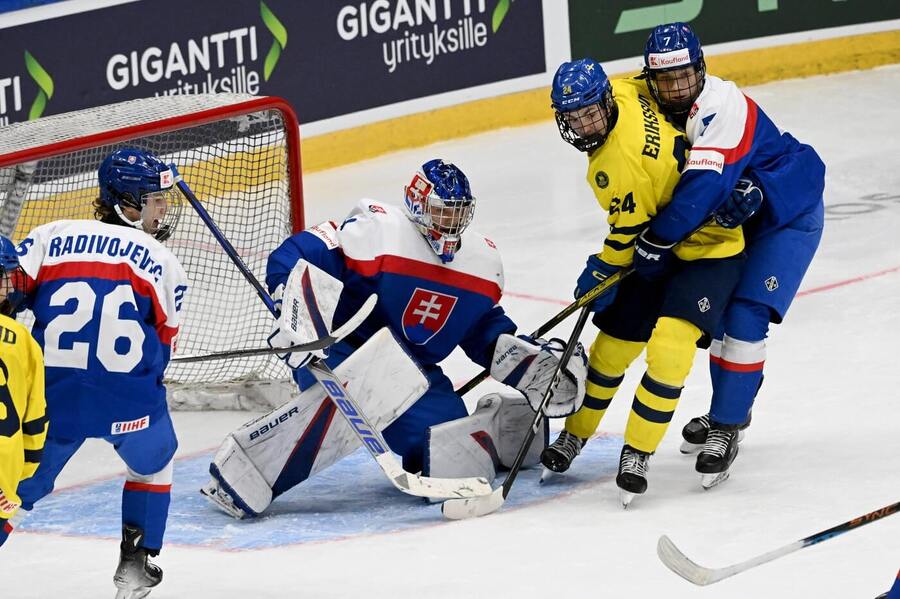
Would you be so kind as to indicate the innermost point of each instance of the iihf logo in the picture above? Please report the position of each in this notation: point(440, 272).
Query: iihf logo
point(426, 314)
point(704, 305)
point(772, 283)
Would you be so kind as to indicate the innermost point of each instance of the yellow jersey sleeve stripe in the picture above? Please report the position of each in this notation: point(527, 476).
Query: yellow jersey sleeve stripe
point(35, 427)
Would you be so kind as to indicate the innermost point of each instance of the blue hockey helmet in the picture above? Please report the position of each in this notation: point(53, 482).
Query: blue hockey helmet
point(674, 65)
point(136, 179)
point(12, 278)
point(440, 203)
point(582, 98)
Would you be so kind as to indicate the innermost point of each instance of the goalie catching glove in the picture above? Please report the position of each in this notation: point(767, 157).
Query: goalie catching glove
point(528, 365)
point(307, 302)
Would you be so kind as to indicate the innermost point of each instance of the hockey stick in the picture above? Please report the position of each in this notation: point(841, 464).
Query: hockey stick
point(412, 484)
point(679, 563)
point(338, 334)
point(433, 488)
point(223, 241)
point(459, 509)
point(542, 330)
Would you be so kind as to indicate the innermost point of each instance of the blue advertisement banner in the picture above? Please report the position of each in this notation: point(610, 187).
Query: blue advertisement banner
point(327, 58)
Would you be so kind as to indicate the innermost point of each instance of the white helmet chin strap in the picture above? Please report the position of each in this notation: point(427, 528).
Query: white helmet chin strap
point(137, 224)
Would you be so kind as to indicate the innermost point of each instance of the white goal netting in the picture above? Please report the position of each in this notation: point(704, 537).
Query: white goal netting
point(240, 156)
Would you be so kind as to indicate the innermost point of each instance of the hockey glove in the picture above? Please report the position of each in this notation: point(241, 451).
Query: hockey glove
point(297, 359)
point(653, 255)
point(744, 201)
point(528, 365)
point(281, 337)
point(595, 272)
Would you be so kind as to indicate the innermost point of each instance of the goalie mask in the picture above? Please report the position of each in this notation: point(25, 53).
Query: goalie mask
point(674, 66)
point(140, 188)
point(12, 278)
point(582, 99)
point(440, 203)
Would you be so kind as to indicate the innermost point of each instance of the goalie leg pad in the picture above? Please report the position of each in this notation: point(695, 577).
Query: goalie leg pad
point(304, 436)
point(515, 418)
point(408, 435)
point(489, 438)
point(237, 475)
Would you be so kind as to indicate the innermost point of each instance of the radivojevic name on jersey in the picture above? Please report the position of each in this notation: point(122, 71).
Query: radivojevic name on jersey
point(105, 245)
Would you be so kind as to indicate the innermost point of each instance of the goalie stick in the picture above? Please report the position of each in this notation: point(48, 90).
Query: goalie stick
point(459, 509)
point(339, 333)
point(679, 563)
point(371, 439)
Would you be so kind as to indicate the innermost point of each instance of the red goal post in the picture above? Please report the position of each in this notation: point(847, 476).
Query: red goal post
point(240, 154)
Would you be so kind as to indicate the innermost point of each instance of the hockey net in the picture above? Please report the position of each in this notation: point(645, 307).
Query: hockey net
point(240, 155)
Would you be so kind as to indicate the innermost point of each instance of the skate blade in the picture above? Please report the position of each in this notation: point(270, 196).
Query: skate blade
point(547, 474)
point(688, 448)
point(711, 480)
point(133, 593)
point(211, 492)
point(625, 498)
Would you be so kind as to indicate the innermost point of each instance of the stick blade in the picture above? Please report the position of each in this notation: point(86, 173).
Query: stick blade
point(679, 563)
point(444, 488)
point(473, 507)
point(428, 487)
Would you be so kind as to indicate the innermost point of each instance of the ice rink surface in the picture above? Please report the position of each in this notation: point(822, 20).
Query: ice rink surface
point(824, 446)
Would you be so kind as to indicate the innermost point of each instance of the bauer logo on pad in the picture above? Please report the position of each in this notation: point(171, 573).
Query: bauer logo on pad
point(426, 314)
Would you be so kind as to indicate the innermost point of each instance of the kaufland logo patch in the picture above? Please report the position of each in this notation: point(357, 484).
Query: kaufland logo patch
point(667, 60)
point(120, 428)
point(165, 179)
point(709, 160)
point(426, 314)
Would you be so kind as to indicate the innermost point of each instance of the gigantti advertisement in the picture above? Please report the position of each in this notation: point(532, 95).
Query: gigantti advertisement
point(328, 58)
point(614, 29)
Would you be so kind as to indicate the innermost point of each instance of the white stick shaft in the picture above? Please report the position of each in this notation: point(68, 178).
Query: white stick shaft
point(373, 441)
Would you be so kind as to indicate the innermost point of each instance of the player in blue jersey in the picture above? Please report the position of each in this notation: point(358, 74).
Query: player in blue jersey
point(106, 296)
point(438, 285)
point(734, 145)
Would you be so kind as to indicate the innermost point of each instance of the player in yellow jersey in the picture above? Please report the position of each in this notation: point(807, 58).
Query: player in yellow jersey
point(634, 160)
point(23, 419)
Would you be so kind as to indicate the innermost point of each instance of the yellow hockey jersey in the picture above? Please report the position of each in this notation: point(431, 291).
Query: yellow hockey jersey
point(634, 172)
point(23, 419)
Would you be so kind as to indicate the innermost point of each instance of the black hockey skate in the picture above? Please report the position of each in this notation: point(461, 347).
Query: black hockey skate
point(558, 456)
point(719, 451)
point(136, 576)
point(694, 433)
point(632, 477)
